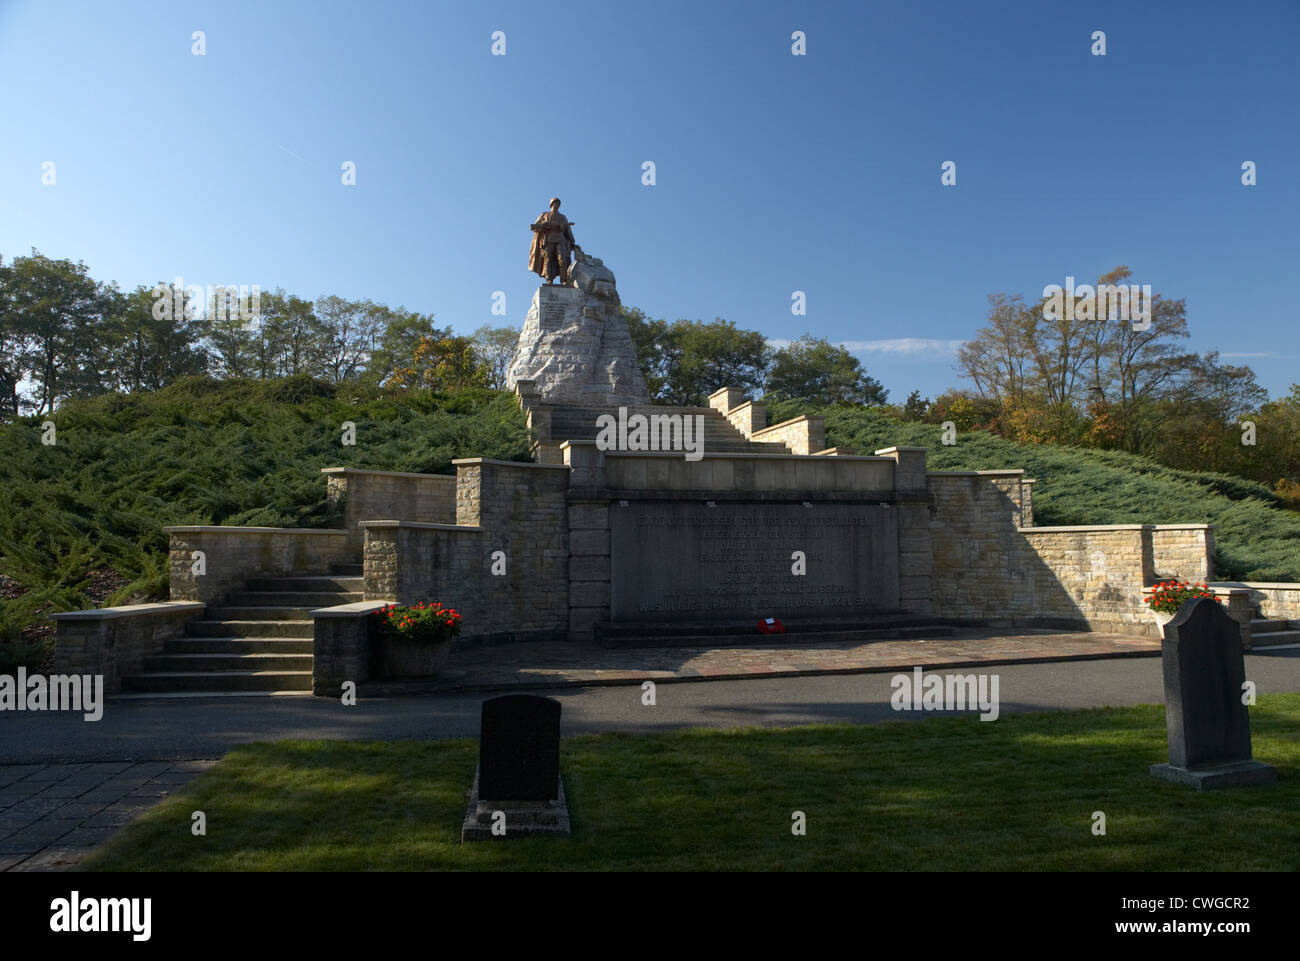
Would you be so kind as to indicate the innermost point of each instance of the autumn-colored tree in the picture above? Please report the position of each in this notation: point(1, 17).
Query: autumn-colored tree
point(443, 363)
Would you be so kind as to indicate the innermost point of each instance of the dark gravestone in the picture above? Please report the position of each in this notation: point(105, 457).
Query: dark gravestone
point(1209, 725)
point(519, 748)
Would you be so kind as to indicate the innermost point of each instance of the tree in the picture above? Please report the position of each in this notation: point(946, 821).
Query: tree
point(56, 309)
point(147, 349)
point(1000, 356)
point(403, 332)
point(14, 346)
point(235, 345)
point(649, 337)
point(822, 374)
point(350, 335)
point(496, 350)
point(916, 408)
point(445, 363)
point(292, 340)
point(704, 357)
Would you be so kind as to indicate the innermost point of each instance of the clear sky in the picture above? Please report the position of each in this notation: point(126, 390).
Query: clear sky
point(774, 172)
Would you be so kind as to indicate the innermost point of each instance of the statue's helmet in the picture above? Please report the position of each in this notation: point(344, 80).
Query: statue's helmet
point(555, 201)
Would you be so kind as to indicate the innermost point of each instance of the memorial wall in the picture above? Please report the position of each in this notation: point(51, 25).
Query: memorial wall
point(739, 559)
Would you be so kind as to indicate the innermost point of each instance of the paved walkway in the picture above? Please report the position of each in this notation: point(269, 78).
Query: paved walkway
point(53, 815)
point(564, 664)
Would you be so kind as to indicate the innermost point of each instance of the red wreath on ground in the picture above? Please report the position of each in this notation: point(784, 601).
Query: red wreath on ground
point(770, 625)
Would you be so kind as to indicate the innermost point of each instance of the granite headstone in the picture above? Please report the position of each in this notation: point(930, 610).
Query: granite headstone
point(519, 748)
point(1207, 719)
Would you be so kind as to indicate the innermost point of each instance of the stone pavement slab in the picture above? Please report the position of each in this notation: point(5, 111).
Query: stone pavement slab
point(73, 808)
point(567, 664)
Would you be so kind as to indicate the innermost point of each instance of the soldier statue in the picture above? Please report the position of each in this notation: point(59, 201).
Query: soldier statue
point(553, 245)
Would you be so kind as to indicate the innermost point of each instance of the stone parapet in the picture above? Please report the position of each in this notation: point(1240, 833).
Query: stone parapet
point(341, 646)
point(802, 435)
point(207, 563)
point(389, 495)
point(114, 641)
point(1183, 552)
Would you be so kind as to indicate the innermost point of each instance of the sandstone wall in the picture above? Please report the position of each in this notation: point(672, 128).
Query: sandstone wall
point(390, 495)
point(1091, 574)
point(980, 567)
point(517, 509)
point(1183, 552)
point(114, 641)
point(802, 435)
point(234, 554)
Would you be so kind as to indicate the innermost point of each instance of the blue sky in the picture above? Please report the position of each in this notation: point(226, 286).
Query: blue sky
point(774, 172)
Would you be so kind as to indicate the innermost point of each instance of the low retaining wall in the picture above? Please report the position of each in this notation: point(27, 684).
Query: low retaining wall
point(803, 435)
point(504, 564)
point(389, 495)
point(341, 646)
point(114, 641)
point(1182, 552)
point(1094, 574)
point(1275, 600)
point(231, 555)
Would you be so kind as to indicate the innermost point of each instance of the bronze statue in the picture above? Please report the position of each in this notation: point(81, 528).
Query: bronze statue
point(553, 245)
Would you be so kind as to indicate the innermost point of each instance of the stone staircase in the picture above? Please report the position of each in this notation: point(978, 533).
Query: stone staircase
point(731, 633)
point(1269, 632)
point(571, 422)
point(259, 642)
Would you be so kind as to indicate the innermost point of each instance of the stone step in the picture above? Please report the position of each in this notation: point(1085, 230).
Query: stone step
point(218, 681)
point(584, 409)
point(188, 663)
point(249, 628)
point(295, 599)
point(240, 645)
point(1268, 625)
point(317, 583)
point(261, 613)
point(590, 427)
point(752, 638)
point(1271, 638)
point(732, 625)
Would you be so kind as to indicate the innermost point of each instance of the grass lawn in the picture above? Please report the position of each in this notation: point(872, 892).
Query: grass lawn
point(946, 793)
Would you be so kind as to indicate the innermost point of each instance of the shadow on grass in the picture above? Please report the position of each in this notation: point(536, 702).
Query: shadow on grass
point(948, 793)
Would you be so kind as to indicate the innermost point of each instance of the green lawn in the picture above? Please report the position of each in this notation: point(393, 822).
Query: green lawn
point(947, 793)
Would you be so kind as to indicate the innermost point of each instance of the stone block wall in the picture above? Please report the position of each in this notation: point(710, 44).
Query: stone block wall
point(1183, 552)
point(802, 435)
point(231, 555)
point(516, 509)
point(114, 641)
point(979, 564)
point(743, 474)
point(915, 539)
point(390, 495)
point(1276, 600)
point(341, 646)
point(1093, 575)
point(746, 416)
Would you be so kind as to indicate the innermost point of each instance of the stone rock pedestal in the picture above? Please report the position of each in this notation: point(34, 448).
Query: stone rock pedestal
point(575, 345)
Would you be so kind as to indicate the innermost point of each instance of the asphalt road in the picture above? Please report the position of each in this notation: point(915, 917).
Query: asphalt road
point(149, 730)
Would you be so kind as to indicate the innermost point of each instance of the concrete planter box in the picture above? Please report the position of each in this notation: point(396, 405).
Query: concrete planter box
point(399, 658)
